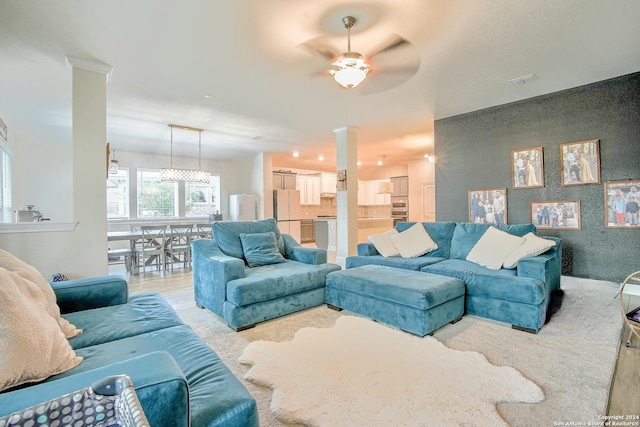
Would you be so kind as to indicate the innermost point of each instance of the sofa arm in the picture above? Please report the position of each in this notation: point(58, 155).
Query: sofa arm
point(93, 292)
point(160, 386)
point(212, 270)
point(546, 267)
point(295, 251)
point(367, 249)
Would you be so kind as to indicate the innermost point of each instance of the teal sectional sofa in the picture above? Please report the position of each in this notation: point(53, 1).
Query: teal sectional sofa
point(179, 380)
point(285, 278)
point(520, 296)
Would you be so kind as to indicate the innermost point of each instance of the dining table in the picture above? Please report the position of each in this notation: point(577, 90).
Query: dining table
point(134, 236)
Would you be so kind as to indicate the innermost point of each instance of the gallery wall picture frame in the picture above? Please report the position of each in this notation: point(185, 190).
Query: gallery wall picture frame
point(527, 168)
point(580, 162)
point(488, 206)
point(621, 200)
point(556, 214)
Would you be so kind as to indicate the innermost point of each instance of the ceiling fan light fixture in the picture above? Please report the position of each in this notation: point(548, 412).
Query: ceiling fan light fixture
point(351, 70)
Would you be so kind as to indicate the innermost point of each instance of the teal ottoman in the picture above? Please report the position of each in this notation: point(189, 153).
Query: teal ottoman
point(413, 301)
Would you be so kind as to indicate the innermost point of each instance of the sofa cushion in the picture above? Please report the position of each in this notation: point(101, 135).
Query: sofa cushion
point(414, 242)
point(260, 249)
point(143, 313)
point(398, 262)
point(227, 234)
point(532, 246)
point(466, 235)
point(216, 396)
point(31, 343)
point(493, 248)
point(383, 243)
point(24, 270)
point(274, 281)
point(440, 232)
point(500, 284)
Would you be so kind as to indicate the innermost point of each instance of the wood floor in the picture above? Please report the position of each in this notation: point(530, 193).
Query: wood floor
point(624, 395)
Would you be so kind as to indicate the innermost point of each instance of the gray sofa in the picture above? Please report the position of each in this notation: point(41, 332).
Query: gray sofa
point(179, 380)
point(245, 295)
point(519, 296)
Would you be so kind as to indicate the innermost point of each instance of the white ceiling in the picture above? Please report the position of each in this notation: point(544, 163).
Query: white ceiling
point(248, 55)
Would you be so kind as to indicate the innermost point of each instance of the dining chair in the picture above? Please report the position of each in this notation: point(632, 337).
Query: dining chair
point(178, 246)
point(150, 249)
point(204, 231)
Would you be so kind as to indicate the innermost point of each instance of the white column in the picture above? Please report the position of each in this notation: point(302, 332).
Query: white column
point(89, 120)
point(347, 224)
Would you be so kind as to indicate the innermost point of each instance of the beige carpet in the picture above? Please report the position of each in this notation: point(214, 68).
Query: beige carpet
point(571, 359)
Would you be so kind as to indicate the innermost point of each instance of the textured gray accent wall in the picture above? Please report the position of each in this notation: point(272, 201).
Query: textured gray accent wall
point(474, 152)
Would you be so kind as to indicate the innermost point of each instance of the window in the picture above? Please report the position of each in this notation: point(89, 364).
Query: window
point(202, 199)
point(5, 183)
point(118, 195)
point(156, 199)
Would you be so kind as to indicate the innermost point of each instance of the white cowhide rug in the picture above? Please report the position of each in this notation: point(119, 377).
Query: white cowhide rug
point(361, 373)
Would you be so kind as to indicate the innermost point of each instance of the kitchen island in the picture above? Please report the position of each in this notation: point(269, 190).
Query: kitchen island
point(326, 230)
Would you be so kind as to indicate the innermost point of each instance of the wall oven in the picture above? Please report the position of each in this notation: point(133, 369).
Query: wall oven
point(399, 210)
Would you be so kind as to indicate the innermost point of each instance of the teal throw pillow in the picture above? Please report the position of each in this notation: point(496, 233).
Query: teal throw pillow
point(261, 249)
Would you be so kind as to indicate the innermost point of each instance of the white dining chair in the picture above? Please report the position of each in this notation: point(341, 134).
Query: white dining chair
point(150, 250)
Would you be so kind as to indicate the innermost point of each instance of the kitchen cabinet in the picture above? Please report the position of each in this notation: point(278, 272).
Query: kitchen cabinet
point(284, 181)
point(400, 186)
point(309, 186)
point(328, 182)
point(362, 193)
point(368, 193)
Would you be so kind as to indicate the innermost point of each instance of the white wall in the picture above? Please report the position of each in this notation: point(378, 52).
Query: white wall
point(46, 181)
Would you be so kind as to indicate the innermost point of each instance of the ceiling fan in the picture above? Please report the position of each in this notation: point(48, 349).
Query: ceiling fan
point(350, 68)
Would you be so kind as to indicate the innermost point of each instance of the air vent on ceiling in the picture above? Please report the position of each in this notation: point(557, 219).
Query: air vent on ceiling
point(524, 79)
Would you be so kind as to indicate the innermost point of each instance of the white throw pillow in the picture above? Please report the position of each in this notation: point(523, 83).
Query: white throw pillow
point(532, 246)
point(414, 241)
point(26, 271)
point(31, 343)
point(383, 243)
point(493, 248)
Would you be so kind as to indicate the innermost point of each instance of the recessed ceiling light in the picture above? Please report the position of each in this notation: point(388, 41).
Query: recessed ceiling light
point(380, 163)
point(321, 158)
point(208, 95)
point(296, 154)
point(359, 163)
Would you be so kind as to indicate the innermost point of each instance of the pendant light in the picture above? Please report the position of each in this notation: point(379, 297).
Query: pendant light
point(384, 187)
point(113, 164)
point(186, 175)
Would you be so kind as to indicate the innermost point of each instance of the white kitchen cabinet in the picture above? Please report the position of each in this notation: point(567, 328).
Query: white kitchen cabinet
point(373, 197)
point(328, 182)
point(309, 187)
point(362, 193)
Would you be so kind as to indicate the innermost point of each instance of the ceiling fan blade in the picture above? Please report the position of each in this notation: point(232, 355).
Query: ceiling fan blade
point(393, 42)
point(317, 46)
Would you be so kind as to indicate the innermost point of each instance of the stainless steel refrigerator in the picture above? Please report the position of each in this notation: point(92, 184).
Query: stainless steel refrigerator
point(242, 207)
point(286, 210)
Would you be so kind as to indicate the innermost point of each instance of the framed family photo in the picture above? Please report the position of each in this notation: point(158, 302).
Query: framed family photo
point(580, 163)
point(527, 168)
point(621, 200)
point(488, 206)
point(556, 215)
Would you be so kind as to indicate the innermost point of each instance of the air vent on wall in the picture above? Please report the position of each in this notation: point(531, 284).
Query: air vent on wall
point(524, 79)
